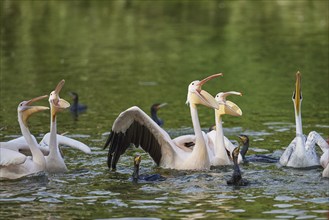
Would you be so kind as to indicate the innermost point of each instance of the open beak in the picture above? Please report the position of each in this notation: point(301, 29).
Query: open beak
point(229, 108)
point(58, 103)
point(204, 98)
point(59, 86)
point(207, 79)
point(28, 110)
point(297, 96)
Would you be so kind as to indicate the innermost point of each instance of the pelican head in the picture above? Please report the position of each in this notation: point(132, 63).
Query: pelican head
point(56, 103)
point(196, 95)
point(297, 94)
point(228, 107)
point(25, 109)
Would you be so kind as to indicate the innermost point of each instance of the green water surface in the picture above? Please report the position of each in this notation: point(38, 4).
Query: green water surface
point(116, 54)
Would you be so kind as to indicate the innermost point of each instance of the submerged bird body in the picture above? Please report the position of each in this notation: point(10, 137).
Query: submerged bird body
point(236, 178)
point(15, 165)
point(134, 126)
point(301, 151)
point(253, 158)
point(144, 177)
point(76, 108)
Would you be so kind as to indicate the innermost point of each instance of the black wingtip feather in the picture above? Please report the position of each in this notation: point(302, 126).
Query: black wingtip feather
point(136, 134)
point(108, 140)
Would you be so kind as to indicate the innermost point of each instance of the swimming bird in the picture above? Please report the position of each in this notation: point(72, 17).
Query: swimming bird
point(236, 178)
point(14, 165)
point(54, 161)
point(20, 145)
point(301, 151)
point(76, 108)
point(154, 109)
point(135, 126)
point(150, 178)
point(253, 158)
point(219, 146)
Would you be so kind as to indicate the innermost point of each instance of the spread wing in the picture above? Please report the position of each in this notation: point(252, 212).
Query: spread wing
point(66, 141)
point(134, 126)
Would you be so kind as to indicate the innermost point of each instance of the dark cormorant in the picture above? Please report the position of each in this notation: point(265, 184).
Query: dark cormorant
point(236, 178)
point(76, 108)
point(154, 110)
point(253, 158)
point(145, 177)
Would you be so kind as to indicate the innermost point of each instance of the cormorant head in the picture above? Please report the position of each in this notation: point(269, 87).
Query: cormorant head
point(235, 153)
point(244, 139)
point(75, 96)
point(297, 94)
point(154, 108)
point(25, 109)
point(137, 161)
point(197, 96)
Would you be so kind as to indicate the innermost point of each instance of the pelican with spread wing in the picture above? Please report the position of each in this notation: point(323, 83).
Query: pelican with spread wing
point(135, 126)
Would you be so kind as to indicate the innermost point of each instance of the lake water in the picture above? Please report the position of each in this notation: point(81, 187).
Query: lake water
point(116, 54)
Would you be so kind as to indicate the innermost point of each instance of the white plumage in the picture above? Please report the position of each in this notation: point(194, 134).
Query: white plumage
point(301, 151)
point(135, 126)
point(15, 165)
